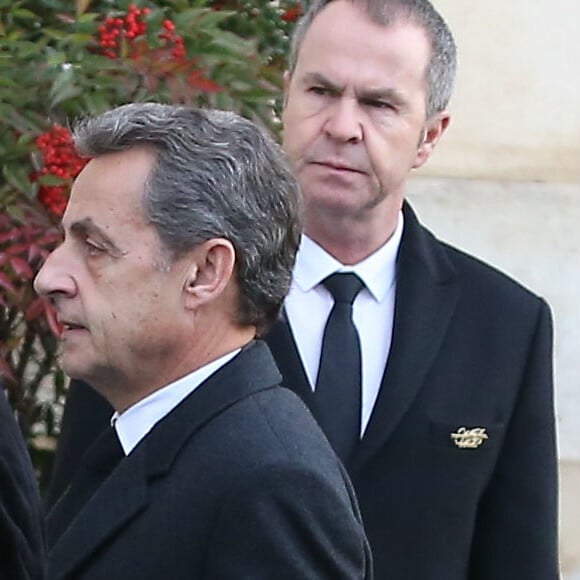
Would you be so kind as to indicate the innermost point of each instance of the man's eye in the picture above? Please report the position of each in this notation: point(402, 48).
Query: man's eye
point(319, 90)
point(93, 247)
point(378, 104)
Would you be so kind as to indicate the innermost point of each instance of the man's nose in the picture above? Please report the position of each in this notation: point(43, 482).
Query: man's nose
point(54, 277)
point(344, 123)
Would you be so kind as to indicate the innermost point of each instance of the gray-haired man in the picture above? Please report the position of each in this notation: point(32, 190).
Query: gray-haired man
point(179, 241)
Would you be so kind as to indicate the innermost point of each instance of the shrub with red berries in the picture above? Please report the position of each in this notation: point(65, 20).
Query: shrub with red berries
point(120, 35)
point(64, 59)
point(116, 31)
point(59, 161)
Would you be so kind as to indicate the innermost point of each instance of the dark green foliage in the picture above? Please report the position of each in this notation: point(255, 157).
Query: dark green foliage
point(52, 69)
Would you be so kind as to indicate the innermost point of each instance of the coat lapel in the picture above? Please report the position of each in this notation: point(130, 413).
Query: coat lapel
point(125, 493)
point(426, 296)
point(95, 467)
point(118, 499)
point(427, 292)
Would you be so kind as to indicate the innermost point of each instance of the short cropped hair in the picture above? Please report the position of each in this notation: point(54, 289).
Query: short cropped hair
point(441, 70)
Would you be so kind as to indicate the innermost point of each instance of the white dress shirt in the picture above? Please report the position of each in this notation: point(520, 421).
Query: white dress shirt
point(134, 423)
point(308, 307)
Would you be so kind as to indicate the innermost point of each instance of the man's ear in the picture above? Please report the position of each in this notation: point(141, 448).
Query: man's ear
point(210, 272)
point(434, 129)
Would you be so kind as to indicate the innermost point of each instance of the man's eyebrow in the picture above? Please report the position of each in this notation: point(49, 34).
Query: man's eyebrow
point(87, 226)
point(319, 79)
point(373, 94)
point(378, 94)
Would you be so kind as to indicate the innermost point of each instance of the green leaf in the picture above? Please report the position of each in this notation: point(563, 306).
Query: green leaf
point(51, 180)
point(17, 176)
point(64, 87)
point(55, 33)
point(201, 19)
point(88, 17)
point(24, 13)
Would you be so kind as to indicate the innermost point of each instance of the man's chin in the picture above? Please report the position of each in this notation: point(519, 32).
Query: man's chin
point(75, 367)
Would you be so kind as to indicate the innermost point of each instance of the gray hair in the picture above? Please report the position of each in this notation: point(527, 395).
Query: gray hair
point(217, 175)
point(440, 73)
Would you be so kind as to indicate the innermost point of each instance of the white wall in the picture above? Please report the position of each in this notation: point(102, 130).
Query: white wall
point(517, 100)
point(505, 182)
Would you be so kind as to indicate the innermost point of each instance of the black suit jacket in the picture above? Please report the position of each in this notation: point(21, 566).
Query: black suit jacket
point(471, 348)
point(236, 482)
point(22, 555)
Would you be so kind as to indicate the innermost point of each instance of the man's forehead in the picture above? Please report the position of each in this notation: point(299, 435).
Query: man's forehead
point(379, 14)
point(342, 18)
point(377, 56)
point(91, 213)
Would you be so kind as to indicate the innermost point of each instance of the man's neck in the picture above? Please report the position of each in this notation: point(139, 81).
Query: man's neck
point(124, 391)
point(351, 241)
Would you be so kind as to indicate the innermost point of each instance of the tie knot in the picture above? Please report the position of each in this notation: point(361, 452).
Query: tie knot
point(343, 287)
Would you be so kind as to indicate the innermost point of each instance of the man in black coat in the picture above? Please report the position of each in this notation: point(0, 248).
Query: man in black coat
point(22, 555)
point(455, 468)
point(179, 241)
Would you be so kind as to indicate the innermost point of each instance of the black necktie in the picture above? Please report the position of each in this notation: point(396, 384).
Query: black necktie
point(338, 386)
point(95, 466)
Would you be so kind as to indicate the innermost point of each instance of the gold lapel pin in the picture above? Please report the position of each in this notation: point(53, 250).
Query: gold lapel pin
point(469, 438)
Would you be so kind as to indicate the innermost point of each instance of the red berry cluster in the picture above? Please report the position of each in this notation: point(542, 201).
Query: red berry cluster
point(114, 31)
point(60, 160)
point(175, 40)
point(292, 14)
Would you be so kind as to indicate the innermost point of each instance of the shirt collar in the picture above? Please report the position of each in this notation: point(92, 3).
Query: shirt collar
point(377, 271)
point(134, 423)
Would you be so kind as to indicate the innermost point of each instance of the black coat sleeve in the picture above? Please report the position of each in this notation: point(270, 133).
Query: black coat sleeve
point(22, 549)
point(518, 515)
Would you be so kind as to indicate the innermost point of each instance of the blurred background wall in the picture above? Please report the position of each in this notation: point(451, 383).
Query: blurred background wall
point(504, 182)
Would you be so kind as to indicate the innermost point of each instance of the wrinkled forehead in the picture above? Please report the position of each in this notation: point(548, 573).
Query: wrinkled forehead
point(108, 195)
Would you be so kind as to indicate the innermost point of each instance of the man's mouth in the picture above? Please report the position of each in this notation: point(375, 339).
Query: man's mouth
point(68, 326)
point(338, 166)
